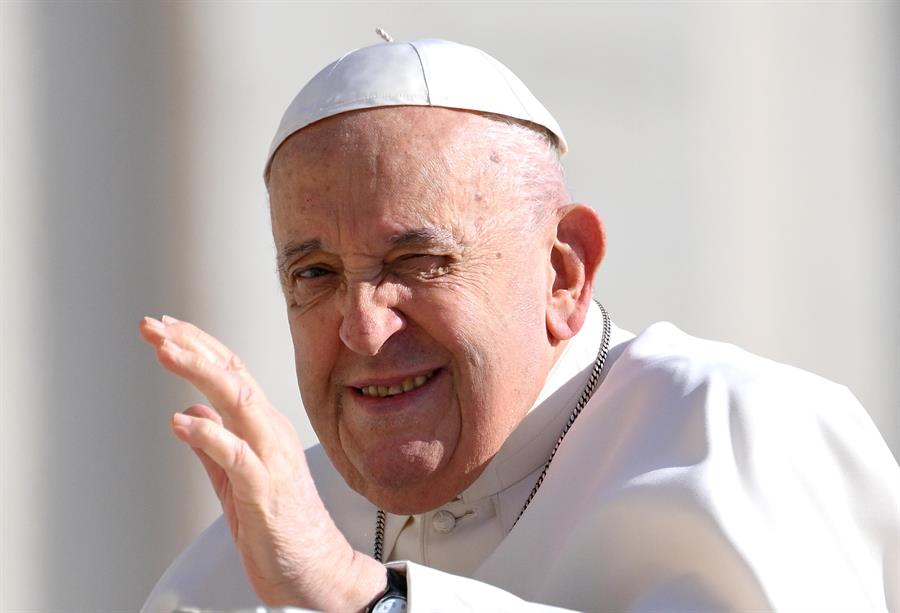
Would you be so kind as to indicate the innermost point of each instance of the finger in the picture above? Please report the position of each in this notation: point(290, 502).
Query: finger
point(228, 452)
point(240, 402)
point(186, 335)
point(152, 330)
point(204, 354)
point(189, 336)
point(217, 476)
point(214, 472)
point(187, 329)
point(201, 410)
point(228, 386)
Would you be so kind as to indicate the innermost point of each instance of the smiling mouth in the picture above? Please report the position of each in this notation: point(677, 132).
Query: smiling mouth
point(407, 385)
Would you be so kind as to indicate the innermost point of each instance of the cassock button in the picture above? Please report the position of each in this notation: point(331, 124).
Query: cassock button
point(443, 521)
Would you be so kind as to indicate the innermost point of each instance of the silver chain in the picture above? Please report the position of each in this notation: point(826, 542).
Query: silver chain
point(589, 389)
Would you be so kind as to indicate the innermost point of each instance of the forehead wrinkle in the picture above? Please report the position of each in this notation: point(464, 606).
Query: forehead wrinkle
point(434, 171)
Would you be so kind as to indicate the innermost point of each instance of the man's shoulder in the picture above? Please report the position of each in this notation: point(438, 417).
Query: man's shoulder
point(666, 356)
point(663, 345)
point(665, 381)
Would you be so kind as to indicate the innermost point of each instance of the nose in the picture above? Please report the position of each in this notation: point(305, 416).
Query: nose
point(369, 318)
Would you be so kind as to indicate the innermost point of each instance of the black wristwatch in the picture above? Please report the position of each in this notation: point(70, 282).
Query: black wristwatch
point(393, 600)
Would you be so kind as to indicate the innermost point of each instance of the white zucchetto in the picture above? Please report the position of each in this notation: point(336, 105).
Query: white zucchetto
point(428, 72)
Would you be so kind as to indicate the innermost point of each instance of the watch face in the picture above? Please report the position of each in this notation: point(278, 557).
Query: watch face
point(390, 604)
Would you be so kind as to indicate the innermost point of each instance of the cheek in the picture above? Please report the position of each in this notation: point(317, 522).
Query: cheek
point(315, 345)
point(504, 355)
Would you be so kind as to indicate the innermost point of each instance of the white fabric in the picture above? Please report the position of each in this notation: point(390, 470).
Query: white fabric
point(428, 72)
point(487, 509)
point(699, 477)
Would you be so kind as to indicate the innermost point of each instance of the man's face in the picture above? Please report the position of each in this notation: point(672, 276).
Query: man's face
point(416, 288)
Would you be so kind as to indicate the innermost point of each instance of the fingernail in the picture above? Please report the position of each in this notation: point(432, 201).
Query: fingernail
point(153, 323)
point(167, 319)
point(180, 419)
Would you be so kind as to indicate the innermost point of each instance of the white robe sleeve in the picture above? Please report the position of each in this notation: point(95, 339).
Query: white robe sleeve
point(208, 575)
point(433, 591)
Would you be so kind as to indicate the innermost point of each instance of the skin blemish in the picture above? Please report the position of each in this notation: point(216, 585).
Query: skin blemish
point(498, 255)
point(478, 197)
point(495, 157)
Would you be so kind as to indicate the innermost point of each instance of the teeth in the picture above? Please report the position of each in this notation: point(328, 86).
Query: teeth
point(408, 384)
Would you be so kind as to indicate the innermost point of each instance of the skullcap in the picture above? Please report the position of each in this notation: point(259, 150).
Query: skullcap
point(427, 72)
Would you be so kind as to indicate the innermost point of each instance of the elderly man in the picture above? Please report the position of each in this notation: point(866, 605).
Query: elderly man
point(485, 429)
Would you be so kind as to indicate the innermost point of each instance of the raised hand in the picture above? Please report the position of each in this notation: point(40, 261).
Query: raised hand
point(292, 552)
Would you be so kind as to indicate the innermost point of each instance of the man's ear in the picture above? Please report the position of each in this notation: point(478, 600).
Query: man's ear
point(576, 254)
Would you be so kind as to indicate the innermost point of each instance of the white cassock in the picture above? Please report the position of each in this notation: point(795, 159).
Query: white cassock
point(698, 478)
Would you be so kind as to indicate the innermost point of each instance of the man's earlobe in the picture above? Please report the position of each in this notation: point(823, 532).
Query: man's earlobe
point(577, 252)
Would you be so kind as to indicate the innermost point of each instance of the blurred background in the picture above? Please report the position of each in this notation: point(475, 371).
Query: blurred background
point(745, 156)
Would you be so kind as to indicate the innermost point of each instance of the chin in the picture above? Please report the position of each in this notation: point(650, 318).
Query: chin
point(417, 491)
point(408, 501)
point(404, 471)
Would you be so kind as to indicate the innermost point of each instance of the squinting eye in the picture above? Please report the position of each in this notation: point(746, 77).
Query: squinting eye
point(426, 266)
point(311, 273)
point(307, 284)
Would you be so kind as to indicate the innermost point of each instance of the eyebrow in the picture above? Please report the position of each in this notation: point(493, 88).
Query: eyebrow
point(417, 236)
point(423, 236)
point(293, 250)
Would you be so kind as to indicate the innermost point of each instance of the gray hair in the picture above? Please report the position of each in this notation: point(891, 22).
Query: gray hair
point(531, 153)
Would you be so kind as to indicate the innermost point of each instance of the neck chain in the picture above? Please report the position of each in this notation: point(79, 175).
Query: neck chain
point(378, 548)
